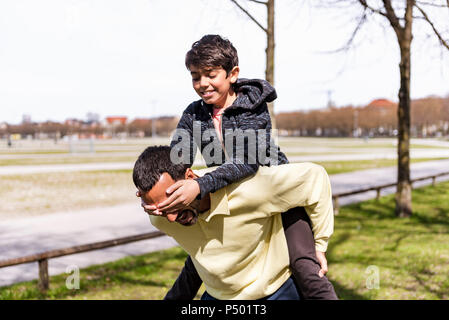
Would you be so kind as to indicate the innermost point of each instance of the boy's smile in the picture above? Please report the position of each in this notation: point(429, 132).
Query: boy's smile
point(214, 85)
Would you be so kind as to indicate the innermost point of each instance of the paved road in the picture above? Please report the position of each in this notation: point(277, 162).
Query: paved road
point(20, 237)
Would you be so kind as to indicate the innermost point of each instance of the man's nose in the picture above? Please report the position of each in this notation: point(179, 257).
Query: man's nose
point(172, 216)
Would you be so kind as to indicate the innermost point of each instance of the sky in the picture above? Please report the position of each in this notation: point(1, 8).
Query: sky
point(62, 59)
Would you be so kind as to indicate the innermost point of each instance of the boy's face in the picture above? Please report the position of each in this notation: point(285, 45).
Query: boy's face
point(213, 85)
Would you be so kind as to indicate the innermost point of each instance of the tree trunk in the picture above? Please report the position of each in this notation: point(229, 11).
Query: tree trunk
point(404, 188)
point(269, 71)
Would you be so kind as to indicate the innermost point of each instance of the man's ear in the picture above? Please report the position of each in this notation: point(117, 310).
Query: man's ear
point(189, 174)
point(234, 74)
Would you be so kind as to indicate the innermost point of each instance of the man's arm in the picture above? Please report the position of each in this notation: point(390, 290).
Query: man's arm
point(186, 285)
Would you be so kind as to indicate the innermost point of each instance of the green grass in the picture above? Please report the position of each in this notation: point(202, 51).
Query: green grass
point(148, 276)
point(412, 256)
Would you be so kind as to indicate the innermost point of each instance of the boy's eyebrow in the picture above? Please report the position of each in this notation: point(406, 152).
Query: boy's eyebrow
point(205, 70)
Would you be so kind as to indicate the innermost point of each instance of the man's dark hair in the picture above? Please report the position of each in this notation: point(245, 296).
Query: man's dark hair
point(212, 51)
point(152, 163)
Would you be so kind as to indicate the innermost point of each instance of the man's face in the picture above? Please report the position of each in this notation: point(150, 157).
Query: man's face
point(213, 84)
point(158, 194)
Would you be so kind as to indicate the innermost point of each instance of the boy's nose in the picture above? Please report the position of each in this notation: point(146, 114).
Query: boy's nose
point(204, 83)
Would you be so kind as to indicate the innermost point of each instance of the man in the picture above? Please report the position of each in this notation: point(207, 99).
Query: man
point(235, 235)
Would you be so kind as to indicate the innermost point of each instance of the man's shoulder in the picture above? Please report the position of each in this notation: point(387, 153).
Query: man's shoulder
point(288, 168)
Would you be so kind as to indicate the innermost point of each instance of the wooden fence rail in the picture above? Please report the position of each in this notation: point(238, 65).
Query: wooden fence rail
point(42, 258)
point(379, 188)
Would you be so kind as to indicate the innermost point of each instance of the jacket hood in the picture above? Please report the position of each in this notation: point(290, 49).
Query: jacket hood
point(251, 93)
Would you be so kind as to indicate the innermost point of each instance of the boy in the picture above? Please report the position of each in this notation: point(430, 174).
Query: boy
point(229, 105)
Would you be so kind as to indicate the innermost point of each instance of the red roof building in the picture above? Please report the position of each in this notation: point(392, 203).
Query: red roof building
point(381, 103)
point(116, 120)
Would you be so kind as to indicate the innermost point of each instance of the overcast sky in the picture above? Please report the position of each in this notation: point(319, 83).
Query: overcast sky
point(64, 58)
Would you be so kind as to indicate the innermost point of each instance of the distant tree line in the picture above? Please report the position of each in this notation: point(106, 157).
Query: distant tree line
point(163, 126)
point(429, 118)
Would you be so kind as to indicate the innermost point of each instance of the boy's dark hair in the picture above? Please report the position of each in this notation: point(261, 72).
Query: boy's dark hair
point(152, 163)
point(212, 51)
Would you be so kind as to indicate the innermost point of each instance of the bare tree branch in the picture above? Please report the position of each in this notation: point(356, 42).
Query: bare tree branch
point(408, 21)
point(261, 2)
point(350, 41)
point(437, 33)
point(249, 15)
point(365, 4)
point(392, 17)
point(433, 4)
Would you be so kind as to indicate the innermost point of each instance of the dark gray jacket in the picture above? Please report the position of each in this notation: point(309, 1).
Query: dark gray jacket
point(246, 132)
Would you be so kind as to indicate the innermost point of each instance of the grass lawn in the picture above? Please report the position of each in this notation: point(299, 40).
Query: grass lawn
point(410, 255)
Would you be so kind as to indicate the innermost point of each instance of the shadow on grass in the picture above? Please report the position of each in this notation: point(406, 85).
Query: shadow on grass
point(344, 293)
point(335, 243)
point(384, 210)
point(441, 293)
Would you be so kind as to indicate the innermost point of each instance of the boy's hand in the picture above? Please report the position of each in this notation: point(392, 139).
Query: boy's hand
point(323, 262)
point(182, 194)
point(150, 209)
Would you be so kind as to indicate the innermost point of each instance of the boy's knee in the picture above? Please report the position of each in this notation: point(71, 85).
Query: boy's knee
point(311, 285)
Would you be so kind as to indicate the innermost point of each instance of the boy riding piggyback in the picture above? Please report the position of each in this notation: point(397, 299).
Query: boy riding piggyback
point(231, 126)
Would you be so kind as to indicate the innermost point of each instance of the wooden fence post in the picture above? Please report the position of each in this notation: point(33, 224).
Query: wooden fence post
point(43, 275)
point(377, 194)
point(336, 206)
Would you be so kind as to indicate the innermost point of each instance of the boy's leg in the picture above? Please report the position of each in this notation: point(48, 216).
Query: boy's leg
point(303, 261)
point(187, 284)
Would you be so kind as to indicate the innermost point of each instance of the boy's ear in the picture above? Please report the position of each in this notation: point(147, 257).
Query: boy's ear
point(189, 174)
point(234, 74)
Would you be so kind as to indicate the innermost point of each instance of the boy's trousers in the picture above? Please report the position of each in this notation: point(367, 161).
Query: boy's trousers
point(303, 261)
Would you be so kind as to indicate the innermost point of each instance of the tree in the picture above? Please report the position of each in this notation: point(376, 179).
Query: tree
point(269, 30)
point(401, 15)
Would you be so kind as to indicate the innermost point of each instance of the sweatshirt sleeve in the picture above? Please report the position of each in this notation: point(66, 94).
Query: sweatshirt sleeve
point(306, 185)
point(224, 175)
